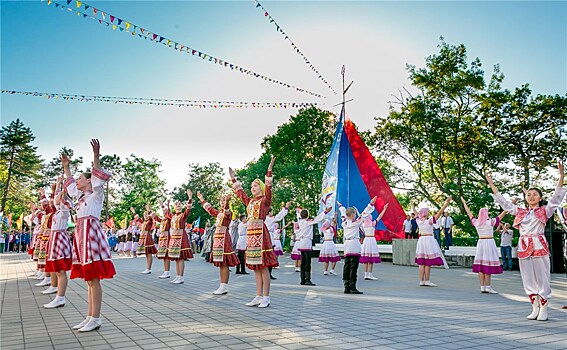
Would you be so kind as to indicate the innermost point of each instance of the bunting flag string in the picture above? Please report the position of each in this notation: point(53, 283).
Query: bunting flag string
point(111, 21)
point(293, 45)
point(162, 101)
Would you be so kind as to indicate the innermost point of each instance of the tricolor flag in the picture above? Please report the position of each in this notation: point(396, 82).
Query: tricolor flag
point(353, 177)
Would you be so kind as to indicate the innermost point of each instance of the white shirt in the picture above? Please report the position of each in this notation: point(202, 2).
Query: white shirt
point(60, 220)
point(305, 232)
point(447, 222)
point(506, 239)
point(241, 243)
point(270, 221)
point(425, 226)
point(407, 225)
point(89, 203)
point(351, 229)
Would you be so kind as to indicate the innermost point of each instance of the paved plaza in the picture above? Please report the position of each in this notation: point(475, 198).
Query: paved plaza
point(144, 312)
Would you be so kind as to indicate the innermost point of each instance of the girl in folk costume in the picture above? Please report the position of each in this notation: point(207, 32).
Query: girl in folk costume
point(486, 261)
point(91, 254)
point(271, 224)
point(222, 255)
point(135, 230)
point(163, 241)
point(305, 243)
point(329, 252)
point(259, 252)
point(146, 242)
point(277, 238)
point(50, 221)
point(39, 274)
point(46, 219)
point(121, 241)
point(179, 248)
point(427, 253)
point(295, 253)
point(533, 250)
point(369, 253)
point(59, 256)
point(241, 246)
point(351, 227)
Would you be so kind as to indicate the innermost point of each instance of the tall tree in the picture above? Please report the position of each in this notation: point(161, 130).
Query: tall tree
point(207, 179)
point(531, 131)
point(20, 161)
point(140, 185)
point(53, 168)
point(438, 133)
point(113, 164)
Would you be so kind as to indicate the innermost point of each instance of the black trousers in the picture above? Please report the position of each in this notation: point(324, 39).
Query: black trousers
point(242, 266)
point(350, 270)
point(305, 265)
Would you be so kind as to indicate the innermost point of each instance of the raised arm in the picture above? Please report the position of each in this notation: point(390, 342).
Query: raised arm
point(237, 188)
point(282, 212)
point(382, 212)
point(469, 213)
point(189, 205)
point(445, 205)
point(412, 205)
point(96, 153)
point(268, 182)
point(559, 193)
point(490, 183)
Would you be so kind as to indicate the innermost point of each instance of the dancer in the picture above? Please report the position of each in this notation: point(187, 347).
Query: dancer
point(369, 253)
point(259, 252)
point(59, 256)
point(305, 244)
point(46, 219)
point(121, 242)
point(486, 261)
point(351, 227)
point(427, 253)
point(533, 250)
point(37, 215)
point(241, 246)
point(271, 224)
point(329, 252)
point(222, 255)
point(179, 248)
point(163, 241)
point(295, 253)
point(91, 254)
point(146, 244)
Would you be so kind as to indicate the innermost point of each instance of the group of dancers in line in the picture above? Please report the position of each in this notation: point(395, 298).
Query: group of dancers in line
point(89, 256)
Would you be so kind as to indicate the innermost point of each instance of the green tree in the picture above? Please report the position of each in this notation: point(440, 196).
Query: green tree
point(140, 184)
point(113, 164)
point(207, 179)
point(20, 167)
point(53, 168)
point(530, 131)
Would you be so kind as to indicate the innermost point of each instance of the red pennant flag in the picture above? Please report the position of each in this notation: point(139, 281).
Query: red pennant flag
point(111, 18)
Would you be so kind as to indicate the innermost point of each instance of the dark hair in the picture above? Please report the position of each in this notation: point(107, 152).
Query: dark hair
point(270, 210)
point(304, 213)
point(87, 175)
point(542, 201)
point(242, 216)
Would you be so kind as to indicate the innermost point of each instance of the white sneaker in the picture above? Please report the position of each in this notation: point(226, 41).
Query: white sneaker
point(146, 271)
point(179, 280)
point(46, 281)
point(430, 284)
point(94, 323)
point(40, 276)
point(34, 274)
point(297, 269)
point(371, 277)
point(223, 289)
point(325, 273)
point(175, 279)
point(165, 274)
point(82, 324)
point(50, 290)
point(422, 283)
point(488, 289)
point(55, 303)
point(332, 272)
point(483, 289)
point(255, 302)
point(265, 302)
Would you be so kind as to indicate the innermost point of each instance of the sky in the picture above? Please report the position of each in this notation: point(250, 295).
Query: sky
point(48, 50)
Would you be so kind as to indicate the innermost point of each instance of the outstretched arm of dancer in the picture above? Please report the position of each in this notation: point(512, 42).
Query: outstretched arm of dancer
point(559, 193)
point(189, 205)
point(237, 187)
point(414, 211)
point(445, 205)
point(467, 209)
point(207, 206)
point(499, 198)
point(382, 213)
point(96, 153)
point(269, 181)
point(66, 168)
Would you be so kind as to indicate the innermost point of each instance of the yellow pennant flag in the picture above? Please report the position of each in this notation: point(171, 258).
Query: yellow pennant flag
point(127, 25)
point(79, 4)
point(49, 2)
point(113, 26)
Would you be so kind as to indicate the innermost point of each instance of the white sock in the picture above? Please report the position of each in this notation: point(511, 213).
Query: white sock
point(58, 298)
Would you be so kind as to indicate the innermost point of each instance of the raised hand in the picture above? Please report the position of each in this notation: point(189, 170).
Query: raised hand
point(288, 204)
point(189, 194)
point(133, 210)
point(373, 200)
point(148, 209)
point(200, 196)
point(96, 146)
point(339, 204)
point(561, 168)
point(64, 160)
point(386, 206)
point(271, 163)
point(488, 177)
point(232, 174)
point(328, 209)
point(515, 200)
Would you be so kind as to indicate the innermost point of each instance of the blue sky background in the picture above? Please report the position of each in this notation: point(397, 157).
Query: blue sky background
point(45, 49)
